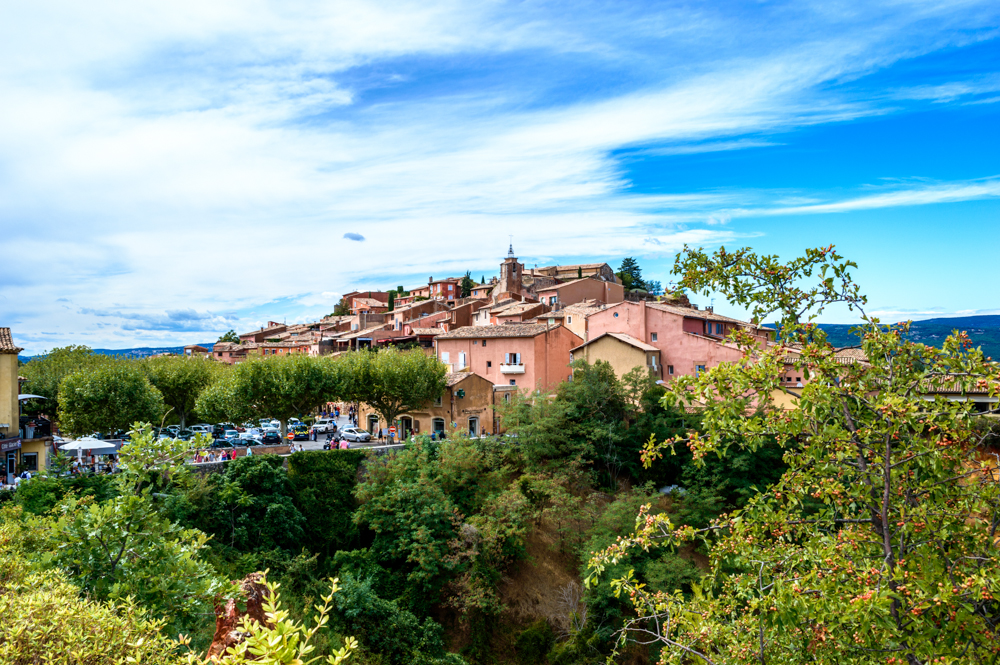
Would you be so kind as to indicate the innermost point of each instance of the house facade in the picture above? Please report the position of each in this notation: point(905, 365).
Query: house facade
point(623, 352)
point(527, 355)
point(579, 290)
point(689, 340)
point(465, 406)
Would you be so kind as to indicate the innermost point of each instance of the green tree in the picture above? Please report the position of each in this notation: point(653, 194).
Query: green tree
point(45, 373)
point(631, 274)
point(270, 387)
point(400, 290)
point(180, 380)
point(231, 337)
point(47, 621)
point(125, 548)
point(392, 301)
point(107, 398)
point(343, 308)
point(579, 273)
point(878, 543)
point(467, 285)
point(392, 382)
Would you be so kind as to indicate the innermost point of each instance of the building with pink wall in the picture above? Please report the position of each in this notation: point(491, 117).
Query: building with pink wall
point(527, 355)
point(588, 288)
point(689, 340)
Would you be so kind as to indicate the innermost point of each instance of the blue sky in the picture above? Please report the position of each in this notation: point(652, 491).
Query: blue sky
point(172, 170)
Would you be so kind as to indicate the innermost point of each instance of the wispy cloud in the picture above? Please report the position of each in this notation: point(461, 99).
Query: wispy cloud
point(212, 157)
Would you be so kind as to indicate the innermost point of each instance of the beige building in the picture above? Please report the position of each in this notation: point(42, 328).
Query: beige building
point(22, 449)
point(466, 404)
point(9, 388)
point(623, 352)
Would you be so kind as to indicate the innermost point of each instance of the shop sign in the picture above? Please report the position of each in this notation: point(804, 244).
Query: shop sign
point(10, 444)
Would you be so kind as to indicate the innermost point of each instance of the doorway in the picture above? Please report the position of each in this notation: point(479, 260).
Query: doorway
point(473, 427)
point(11, 466)
point(405, 427)
point(373, 425)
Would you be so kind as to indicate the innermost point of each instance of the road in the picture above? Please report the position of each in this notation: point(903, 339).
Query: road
point(318, 444)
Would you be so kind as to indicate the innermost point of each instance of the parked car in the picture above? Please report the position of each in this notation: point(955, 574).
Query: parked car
point(355, 434)
point(324, 425)
point(201, 429)
point(230, 434)
point(185, 435)
point(271, 438)
point(222, 443)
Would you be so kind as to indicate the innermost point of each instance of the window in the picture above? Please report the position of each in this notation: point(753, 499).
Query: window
point(475, 342)
point(29, 461)
point(438, 425)
point(451, 287)
point(670, 369)
point(513, 382)
point(461, 359)
point(437, 402)
point(445, 357)
point(489, 363)
point(513, 358)
point(484, 342)
point(506, 397)
point(569, 319)
point(652, 337)
point(699, 369)
point(718, 328)
point(616, 315)
point(798, 379)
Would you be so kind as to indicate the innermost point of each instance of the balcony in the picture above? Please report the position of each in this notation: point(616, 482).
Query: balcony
point(512, 368)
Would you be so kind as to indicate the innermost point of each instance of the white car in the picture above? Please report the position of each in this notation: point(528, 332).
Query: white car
point(201, 429)
point(355, 434)
point(324, 425)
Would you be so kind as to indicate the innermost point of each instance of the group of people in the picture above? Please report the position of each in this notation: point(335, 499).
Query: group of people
point(212, 456)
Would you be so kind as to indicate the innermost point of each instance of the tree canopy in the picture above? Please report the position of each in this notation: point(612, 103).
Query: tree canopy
point(45, 373)
point(230, 336)
point(180, 379)
point(392, 382)
point(631, 274)
point(878, 543)
point(465, 288)
point(270, 387)
point(107, 397)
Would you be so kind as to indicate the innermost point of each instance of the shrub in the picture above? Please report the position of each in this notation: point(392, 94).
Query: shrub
point(534, 643)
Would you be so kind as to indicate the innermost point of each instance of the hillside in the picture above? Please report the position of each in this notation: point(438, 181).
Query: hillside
point(983, 330)
point(137, 352)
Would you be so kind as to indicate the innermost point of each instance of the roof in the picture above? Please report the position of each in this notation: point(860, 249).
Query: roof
point(513, 308)
point(621, 337)
point(556, 287)
point(502, 330)
point(371, 302)
point(454, 378)
point(572, 267)
point(697, 313)
point(230, 346)
point(426, 331)
point(7, 343)
point(362, 333)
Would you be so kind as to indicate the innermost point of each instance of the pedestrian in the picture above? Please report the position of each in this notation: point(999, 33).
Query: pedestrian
point(314, 433)
point(249, 451)
point(344, 445)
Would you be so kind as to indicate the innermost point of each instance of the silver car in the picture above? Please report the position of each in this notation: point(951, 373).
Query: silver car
point(355, 434)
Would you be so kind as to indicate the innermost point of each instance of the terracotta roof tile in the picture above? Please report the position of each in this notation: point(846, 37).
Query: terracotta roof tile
point(7, 343)
point(503, 330)
point(622, 337)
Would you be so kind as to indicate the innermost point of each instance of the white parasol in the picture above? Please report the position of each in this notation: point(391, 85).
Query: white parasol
point(88, 443)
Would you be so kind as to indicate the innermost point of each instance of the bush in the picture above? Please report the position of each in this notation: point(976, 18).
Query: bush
point(534, 643)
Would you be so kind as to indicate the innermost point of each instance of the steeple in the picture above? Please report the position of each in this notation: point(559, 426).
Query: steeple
point(510, 250)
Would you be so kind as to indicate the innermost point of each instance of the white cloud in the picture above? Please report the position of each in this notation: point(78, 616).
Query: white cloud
point(212, 156)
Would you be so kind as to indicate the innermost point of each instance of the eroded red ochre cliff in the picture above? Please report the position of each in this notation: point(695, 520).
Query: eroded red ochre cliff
point(228, 616)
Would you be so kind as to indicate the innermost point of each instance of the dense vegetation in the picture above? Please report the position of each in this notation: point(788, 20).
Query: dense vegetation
point(693, 523)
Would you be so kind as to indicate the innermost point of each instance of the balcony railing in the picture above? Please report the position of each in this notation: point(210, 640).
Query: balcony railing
point(517, 368)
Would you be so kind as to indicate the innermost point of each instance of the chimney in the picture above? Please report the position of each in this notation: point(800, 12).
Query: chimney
point(430, 279)
point(710, 309)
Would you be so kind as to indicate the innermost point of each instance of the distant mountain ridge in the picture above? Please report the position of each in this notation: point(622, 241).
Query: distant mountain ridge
point(984, 331)
point(137, 352)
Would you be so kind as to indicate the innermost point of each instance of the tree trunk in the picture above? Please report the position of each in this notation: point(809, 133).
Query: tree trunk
point(284, 428)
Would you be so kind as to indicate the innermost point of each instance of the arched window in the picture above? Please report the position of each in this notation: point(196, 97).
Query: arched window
point(439, 425)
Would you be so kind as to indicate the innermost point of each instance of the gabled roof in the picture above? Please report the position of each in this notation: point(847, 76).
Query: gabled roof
point(503, 330)
point(7, 343)
point(426, 331)
point(621, 337)
point(362, 333)
point(556, 287)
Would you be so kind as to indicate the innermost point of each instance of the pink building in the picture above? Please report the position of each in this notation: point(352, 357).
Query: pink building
point(527, 355)
point(588, 288)
point(690, 340)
